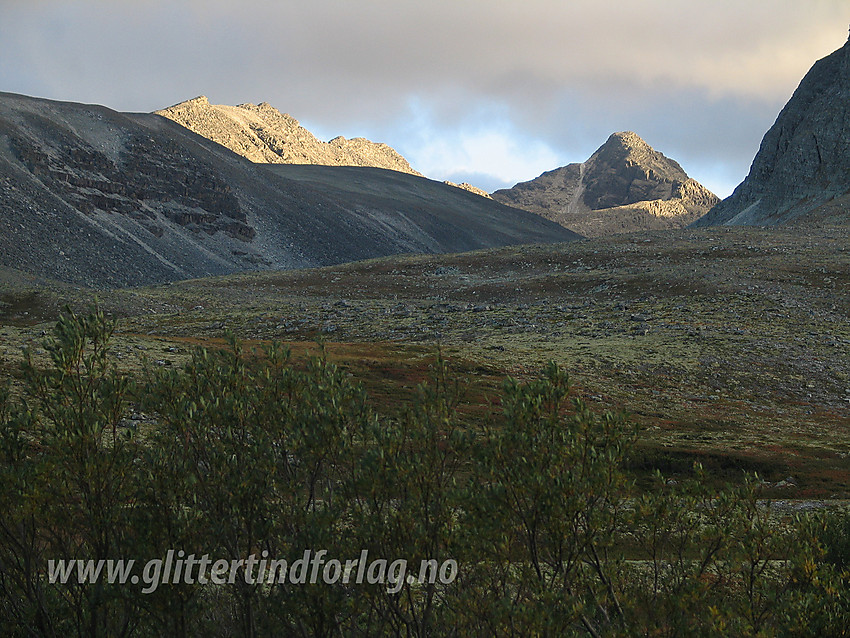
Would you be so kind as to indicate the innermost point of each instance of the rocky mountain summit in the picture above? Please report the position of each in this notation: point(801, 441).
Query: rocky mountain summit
point(801, 173)
point(624, 186)
point(100, 198)
point(262, 134)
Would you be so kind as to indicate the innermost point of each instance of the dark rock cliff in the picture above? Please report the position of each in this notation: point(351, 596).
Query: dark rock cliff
point(802, 170)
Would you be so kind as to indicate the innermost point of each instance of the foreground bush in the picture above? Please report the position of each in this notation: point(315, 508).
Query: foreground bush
point(253, 455)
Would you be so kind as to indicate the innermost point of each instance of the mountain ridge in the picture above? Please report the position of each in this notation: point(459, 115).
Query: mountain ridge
point(262, 134)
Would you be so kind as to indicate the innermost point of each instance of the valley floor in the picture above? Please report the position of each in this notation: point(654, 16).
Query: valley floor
point(729, 346)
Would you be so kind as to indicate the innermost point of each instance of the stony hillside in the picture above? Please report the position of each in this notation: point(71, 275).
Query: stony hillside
point(95, 197)
point(625, 186)
point(802, 170)
point(263, 134)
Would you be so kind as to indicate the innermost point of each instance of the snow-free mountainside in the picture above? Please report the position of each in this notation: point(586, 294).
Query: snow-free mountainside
point(625, 186)
point(100, 198)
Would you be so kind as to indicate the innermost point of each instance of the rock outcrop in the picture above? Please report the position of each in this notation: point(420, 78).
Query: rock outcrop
point(624, 186)
point(801, 173)
point(470, 188)
point(262, 134)
point(99, 198)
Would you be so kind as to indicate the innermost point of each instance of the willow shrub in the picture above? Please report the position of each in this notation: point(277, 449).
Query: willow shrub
point(69, 486)
point(251, 454)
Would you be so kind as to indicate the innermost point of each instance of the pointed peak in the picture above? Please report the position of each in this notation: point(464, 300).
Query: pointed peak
point(629, 148)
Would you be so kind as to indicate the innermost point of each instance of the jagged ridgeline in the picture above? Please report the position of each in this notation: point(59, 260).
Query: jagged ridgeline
point(625, 186)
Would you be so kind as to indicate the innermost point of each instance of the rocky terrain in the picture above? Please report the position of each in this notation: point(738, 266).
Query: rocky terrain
point(727, 345)
point(263, 134)
point(801, 173)
point(100, 198)
point(625, 186)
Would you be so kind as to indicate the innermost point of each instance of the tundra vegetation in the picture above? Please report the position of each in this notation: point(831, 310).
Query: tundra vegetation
point(250, 450)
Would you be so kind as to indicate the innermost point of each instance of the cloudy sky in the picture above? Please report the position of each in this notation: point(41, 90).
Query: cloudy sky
point(487, 91)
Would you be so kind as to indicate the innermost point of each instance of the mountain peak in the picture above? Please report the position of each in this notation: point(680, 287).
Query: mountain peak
point(629, 149)
point(263, 134)
point(626, 185)
point(626, 170)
